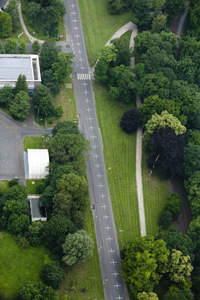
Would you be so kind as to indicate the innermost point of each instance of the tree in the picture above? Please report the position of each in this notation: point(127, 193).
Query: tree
point(18, 223)
point(32, 12)
point(32, 291)
point(36, 46)
point(179, 295)
point(20, 105)
point(49, 54)
point(40, 188)
point(65, 148)
point(62, 204)
point(47, 77)
point(55, 232)
point(72, 184)
point(130, 121)
point(15, 207)
point(158, 23)
point(46, 106)
point(58, 111)
point(116, 7)
point(186, 70)
point(12, 9)
point(144, 256)
point(191, 159)
point(62, 67)
point(6, 95)
point(77, 247)
point(176, 240)
point(141, 12)
point(21, 84)
point(34, 233)
point(41, 92)
point(10, 46)
point(173, 205)
point(165, 120)
point(193, 137)
point(5, 24)
point(65, 127)
point(194, 231)
point(165, 219)
point(166, 152)
point(174, 8)
point(123, 53)
point(52, 274)
point(145, 296)
point(156, 4)
point(22, 47)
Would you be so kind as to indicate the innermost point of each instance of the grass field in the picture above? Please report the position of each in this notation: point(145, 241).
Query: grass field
point(119, 155)
point(35, 142)
point(18, 265)
point(98, 25)
point(31, 185)
point(155, 193)
point(86, 275)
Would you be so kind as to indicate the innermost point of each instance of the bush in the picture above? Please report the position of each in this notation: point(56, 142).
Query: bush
point(13, 182)
point(52, 274)
point(165, 219)
point(58, 111)
point(130, 121)
point(40, 188)
point(173, 205)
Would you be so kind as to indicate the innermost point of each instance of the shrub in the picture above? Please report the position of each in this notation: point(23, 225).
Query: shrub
point(40, 188)
point(13, 182)
point(52, 274)
point(165, 219)
point(58, 111)
point(130, 121)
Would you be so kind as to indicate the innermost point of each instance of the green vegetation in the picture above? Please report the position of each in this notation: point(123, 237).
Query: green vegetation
point(31, 187)
point(18, 265)
point(98, 31)
point(119, 155)
point(85, 276)
point(14, 35)
point(35, 142)
point(4, 186)
point(155, 195)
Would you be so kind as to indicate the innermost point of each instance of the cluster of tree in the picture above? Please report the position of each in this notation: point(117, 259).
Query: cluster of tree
point(17, 101)
point(45, 15)
point(147, 261)
point(142, 9)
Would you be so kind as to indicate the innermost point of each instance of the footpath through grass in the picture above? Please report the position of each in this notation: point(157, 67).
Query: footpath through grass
point(119, 155)
point(98, 25)
point(18, 265)
point(155, 193)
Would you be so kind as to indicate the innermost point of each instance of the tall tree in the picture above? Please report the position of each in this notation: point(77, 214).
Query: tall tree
point(191, 159)
point(130, 121)
point(72, 184)
point(62, 204)
point(21, 84)
point(174, 8)
point(49, 54)
point(22, 47)
point(12, 9)
point(5, 24)
point(41, 92)
point(10, 46)
point(77, 247)
point(33, 291)
point(20, 105)
point(36, 46)
point(6, 95)
point(141, 12)
point(62, 67)
point(147, 296)
point(52, 274)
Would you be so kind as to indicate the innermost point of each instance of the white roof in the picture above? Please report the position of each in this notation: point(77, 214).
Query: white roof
point(38, 160)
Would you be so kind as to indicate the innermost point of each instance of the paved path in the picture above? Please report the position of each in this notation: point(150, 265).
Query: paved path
point(128, 26)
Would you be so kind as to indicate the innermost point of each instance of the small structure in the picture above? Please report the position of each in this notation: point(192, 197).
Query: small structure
point(13, 65)
point(36, 162)
point(38, 211)
point(61, 36)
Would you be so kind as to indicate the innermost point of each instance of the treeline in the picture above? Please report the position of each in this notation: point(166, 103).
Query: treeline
point(65, 197)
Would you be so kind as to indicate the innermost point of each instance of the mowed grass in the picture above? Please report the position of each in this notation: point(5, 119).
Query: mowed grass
point(119, 154)
point(35, 142)
point(155, 193)
point(31, 185)
point(67, 100)
point(18, 265)
point(98, 25)
point(86, 275)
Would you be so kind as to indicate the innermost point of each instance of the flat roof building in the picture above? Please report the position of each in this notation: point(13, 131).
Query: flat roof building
point(38, 211)
point(12, 65)
point(36, 162)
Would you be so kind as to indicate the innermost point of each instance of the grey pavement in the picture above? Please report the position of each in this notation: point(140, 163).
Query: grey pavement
point(114, 286)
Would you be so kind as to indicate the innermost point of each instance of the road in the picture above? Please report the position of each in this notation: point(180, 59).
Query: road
point(114, 287)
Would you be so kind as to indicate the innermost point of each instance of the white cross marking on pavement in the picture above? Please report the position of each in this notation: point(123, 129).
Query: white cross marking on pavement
point(72, 5)
point(101, 185)
point(73, 13)
point(84, 83)
point(75, 21)
point(76, 28)
point(119, 298)
point(111, 250)
point(78, 44)
point(79, 51)
point(110, 241)
point(107, 227)
point(103, 196)
point(97, 165)
point(91, 127)
point(106, 217)
point(81, 59)
point(117, 285)
point(88, 109)
point(99, 175)
point(82, 68)
point(94, 146)
point(104, 206)
point(90, 118)
point(96, 155)
point(87, 100)
point(115, 274)
point(93, 136)
point(113, 262)
point(86, 92)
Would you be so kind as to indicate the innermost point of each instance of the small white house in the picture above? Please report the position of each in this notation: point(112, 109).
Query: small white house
point(36, 162)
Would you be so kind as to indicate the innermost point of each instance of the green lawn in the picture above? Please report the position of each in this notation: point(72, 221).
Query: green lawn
point(119, 155)
point(35, 142)
point(155, 193)
point(31, 185)
point(86, 275)
point(98, 25)
point(18, 265)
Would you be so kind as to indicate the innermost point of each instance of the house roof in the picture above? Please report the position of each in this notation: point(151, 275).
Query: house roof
point(38, 161)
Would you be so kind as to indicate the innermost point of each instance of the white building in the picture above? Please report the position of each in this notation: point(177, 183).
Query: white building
point(12, 65)
point(36, 162)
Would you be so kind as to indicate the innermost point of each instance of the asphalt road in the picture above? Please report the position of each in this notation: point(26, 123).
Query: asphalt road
point(114, 287)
